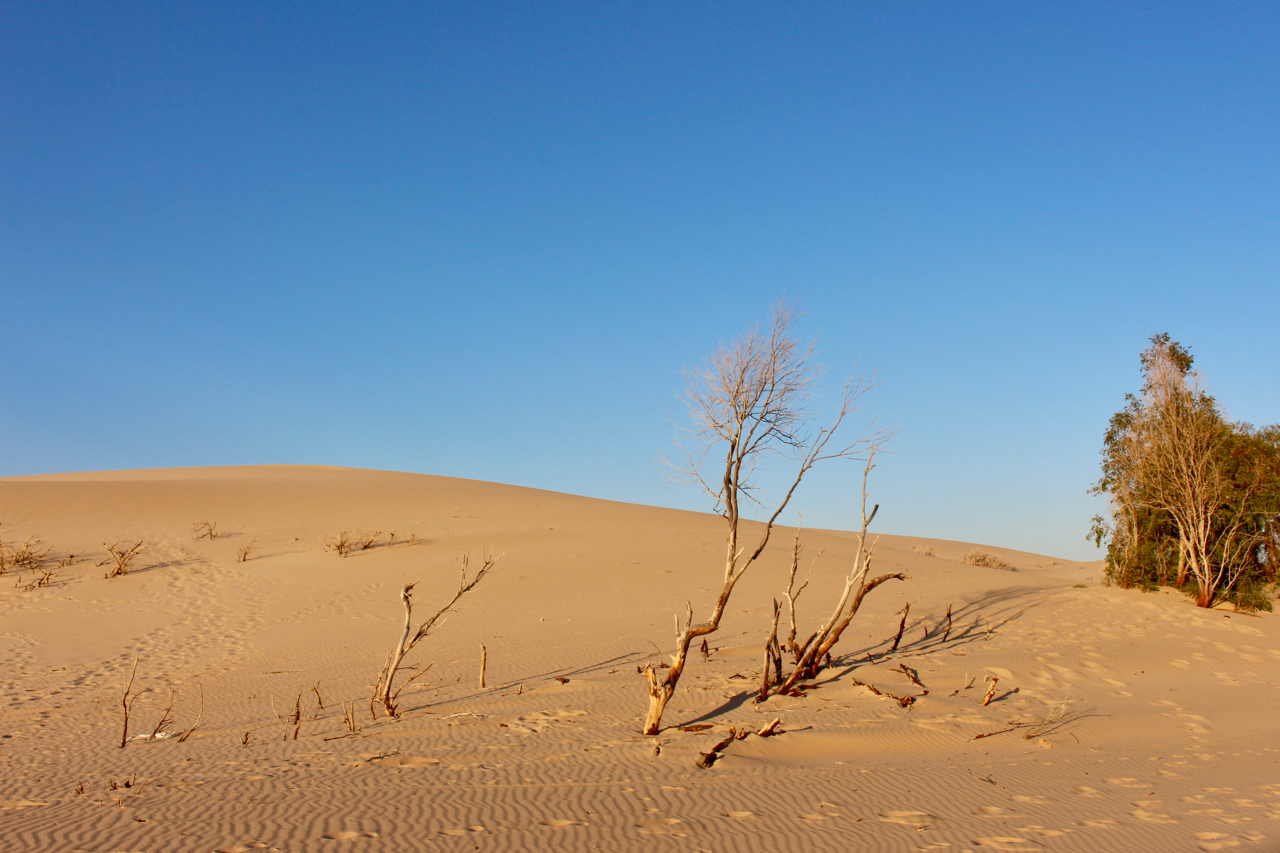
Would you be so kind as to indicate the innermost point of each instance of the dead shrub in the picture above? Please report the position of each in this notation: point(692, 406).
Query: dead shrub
point(121, 556)
point(923, 552)
point(242, 554)
point(340, 543)
point(206, 530)
point(975, 557)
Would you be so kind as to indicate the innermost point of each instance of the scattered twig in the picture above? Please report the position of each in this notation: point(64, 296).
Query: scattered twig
point(484, 660)
point(904, 701)
point(946, 634)
point(912, 675)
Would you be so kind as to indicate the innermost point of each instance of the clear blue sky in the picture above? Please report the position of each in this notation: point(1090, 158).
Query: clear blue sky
point(482, 239)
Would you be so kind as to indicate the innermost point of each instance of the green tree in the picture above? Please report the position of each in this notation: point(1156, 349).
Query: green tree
point(1194, 499)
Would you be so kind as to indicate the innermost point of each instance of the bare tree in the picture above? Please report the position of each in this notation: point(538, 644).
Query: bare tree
point(386, 692)
point(753, 400)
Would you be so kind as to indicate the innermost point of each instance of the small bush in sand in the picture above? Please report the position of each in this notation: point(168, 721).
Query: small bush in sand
point(120, 557)
point(341, 543)
point(28, 556)
point(242, 554)
point(205, 530)
point(974, 557)
point(923, 552)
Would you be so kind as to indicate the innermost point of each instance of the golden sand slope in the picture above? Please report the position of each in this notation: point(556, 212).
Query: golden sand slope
point(1166, 743)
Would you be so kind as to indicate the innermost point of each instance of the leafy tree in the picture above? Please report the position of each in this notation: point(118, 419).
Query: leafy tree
point(1195, 499)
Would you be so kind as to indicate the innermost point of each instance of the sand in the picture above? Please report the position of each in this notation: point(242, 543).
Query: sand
point(1164, 737)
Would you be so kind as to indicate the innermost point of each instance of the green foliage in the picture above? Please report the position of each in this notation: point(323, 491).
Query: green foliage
point(1233, 470)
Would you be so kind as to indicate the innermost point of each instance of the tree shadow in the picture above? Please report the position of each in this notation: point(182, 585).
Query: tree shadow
point(999, 607)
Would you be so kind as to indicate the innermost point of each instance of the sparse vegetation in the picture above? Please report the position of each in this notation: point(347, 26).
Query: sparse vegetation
point(924, 552)
point(343, 543)
point(976, 557)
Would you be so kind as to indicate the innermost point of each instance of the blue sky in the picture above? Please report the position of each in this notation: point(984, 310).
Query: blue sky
point(482, 239)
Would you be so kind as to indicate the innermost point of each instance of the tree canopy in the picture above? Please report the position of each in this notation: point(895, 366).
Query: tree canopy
point(1195, 499)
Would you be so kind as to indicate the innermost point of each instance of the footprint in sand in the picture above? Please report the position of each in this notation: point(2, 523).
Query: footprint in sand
point(740, 815)
point(1011, 844)
point(15, 805)
point(1100, 823)
point(662, 826)
point(1148, 816)
point(539, 721)
point(348, 836)
point(1040, 830)
point(247, 846)
point(558, 822)
point(465, 831)
point(915, 820)
point(1127, 782)
point(1215, 841)
point(1086, 791)
point(1031, 800)
point(994, 811)
point(404, 761)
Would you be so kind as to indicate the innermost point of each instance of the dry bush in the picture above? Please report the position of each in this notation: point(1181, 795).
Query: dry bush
point(28, 556)
point(340, 542)
point(242, 554)
point(923, 552)
point(975, 557)
point(365, 541)
point(206, 530)
point(121, 556)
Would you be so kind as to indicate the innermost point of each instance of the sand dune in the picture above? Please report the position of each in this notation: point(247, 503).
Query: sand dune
point(1163, 737)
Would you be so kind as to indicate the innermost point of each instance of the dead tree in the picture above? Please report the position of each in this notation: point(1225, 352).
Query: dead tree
point(386, 692)
point(856, 587)
point(752, 399)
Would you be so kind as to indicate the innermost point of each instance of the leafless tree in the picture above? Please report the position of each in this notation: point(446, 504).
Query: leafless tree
point(386, 692)
point(751, 401)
